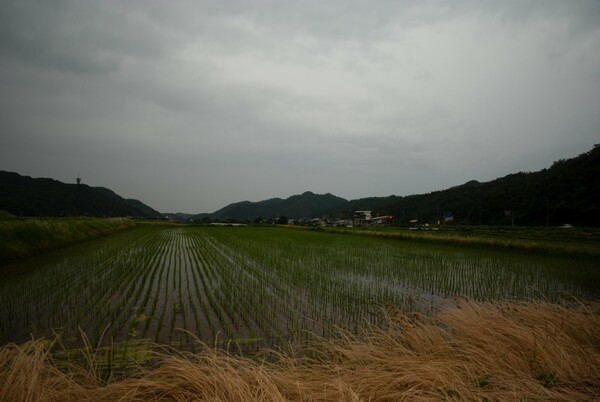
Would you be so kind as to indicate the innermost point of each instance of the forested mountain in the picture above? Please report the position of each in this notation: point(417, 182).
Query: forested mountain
point(26, 196)
point(305, 205)
point(567, 192)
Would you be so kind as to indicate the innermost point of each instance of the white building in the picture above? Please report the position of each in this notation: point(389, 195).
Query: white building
point(362, 218)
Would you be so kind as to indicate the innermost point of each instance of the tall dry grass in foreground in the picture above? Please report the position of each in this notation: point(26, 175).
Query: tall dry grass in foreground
point(474, 351)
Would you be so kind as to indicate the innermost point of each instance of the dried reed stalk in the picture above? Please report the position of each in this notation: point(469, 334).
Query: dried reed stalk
point(475, 351)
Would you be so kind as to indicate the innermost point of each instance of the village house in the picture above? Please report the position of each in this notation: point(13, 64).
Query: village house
point(362, 218)
point(382, 220)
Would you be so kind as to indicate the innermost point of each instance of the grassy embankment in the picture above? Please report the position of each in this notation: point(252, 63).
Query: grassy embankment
point(580, 242)
point(474, 351)
point(21, 238)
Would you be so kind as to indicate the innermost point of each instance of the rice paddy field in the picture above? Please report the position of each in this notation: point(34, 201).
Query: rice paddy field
point(245, 288)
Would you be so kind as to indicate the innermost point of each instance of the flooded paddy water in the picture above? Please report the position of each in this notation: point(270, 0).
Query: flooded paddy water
point(254, 287)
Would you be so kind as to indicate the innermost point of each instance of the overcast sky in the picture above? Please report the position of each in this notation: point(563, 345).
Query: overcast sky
point(191, 105)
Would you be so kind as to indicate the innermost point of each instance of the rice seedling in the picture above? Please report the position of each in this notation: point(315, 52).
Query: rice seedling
point(268, 285)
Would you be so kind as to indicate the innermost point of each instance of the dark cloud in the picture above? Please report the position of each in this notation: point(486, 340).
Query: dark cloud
point(189, 105)
point(84, 37)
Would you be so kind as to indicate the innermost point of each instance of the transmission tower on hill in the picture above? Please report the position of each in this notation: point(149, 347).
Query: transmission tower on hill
point(77, 201)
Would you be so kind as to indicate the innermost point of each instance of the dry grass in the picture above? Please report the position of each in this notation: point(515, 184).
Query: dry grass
point(474, 351)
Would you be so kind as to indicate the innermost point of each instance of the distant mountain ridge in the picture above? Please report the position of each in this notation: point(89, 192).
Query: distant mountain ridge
point(305, 205)
point(27, 196)
point(566, 192)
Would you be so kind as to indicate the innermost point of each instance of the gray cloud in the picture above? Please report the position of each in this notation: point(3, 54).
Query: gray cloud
point(190, 105)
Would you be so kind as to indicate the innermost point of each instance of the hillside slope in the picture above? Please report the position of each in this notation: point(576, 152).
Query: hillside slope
point(304, 205)
point(567, 192)
point(27, 196)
